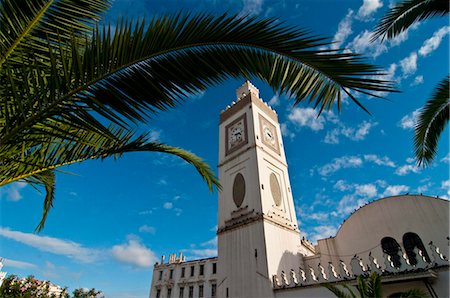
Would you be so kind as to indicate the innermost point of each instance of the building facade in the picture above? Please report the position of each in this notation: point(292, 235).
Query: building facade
point(260, 252)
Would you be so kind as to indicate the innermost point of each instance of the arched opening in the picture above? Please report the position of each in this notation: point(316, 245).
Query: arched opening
point(410, 241)
point(391, 247)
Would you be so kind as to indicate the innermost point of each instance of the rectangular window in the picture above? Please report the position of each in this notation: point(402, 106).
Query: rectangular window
point(169, 292)
point(158, 293)
point(181, 292)
point(213, 290)
point(182, 271)
point(160, 275)
point(200, 291)
point(192, 270)
point(202, 268)
point(214, 268)
point(191, 292)
point(171, 274)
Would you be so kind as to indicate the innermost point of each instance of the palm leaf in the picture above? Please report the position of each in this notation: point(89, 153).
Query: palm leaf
point(46, 179)
point(138, 72)
point(414, 293)
point(25, 160)
point(30, 24)
point(405, 13)
point(338, 292)
point(373, 286)
point(36, 165)
point(431, 121)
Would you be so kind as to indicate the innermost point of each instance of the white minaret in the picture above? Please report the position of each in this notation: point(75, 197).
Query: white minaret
point(258, 234)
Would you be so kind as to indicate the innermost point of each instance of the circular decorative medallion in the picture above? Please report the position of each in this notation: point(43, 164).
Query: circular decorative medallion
point(238, 189)
point(275, 189)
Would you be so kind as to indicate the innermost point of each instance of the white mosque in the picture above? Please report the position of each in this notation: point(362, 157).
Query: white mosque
point(403, 238)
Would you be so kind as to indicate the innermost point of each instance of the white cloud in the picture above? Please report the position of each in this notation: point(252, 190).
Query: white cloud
point(362, 44)
point(417, 81)
point(406, 169)
point(446, 159)
point(433, 42)
point(381, 161)
point(274, 101)
point(134, 253)
point(212, 242)
point(340, 163)
point(368, 8)
point(349, 203)
point(322, 232)
point(162, 181)
point(445, 185)
point(145, 212)
point(393, 190)
point(53, 245)
point(155, 135)
point(178, 211)
point(147, 229)
point(306, 117)
point(344, 30)
point(11, 192)
point(358, 134)
point(366, 190)
point(252, 7)
point(353, 162)
point(388, 76)
point(409, 64)
point(409, 121)
point(319, 216)
point(167, 205)
point(201, 253)
point(286, 132)
point(18, 264)
point(209, 251)
point(400, 38)
point(332, 136)
point(342, 185)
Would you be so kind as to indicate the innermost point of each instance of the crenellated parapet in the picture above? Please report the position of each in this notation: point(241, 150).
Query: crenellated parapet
point(317, 273)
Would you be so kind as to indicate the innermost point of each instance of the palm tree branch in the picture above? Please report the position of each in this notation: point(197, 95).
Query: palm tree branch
point(345, 69)
point(46, 179)
point(406, 13)
point(30, 24)
point(55, 153)
point(337, 291)
point(431, 122)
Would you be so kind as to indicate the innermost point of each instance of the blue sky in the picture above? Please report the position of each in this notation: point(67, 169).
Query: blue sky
point(113, 219)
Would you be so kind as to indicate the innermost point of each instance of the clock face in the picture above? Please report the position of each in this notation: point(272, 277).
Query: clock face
point(236, 134)
point(269, 134)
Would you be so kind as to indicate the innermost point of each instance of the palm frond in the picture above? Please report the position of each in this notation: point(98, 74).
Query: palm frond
point(405, 13)
point(34, 160)
point(31, 157)
point(137, 72)
point(31, 24)
point(373, 286)
point(337, 291)
point(431, 122)
point(46, 179)
point(414, 293)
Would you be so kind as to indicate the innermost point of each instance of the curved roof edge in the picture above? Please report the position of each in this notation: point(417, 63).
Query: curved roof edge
point(375, 201)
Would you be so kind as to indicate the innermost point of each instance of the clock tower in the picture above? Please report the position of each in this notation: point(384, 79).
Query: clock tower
point(258, 233)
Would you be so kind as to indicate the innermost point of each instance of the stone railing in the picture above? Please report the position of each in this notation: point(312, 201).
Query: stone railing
point(356, 267)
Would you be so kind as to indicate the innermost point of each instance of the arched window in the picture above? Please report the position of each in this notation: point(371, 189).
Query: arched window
point(410, 241)
point(391, 247)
